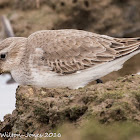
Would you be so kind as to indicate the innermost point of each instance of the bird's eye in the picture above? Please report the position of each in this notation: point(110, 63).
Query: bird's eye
point(2, 56)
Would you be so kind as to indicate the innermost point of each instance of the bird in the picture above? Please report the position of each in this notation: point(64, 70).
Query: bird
point(65, 58)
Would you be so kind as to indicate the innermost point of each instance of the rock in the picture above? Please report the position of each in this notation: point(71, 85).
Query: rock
point(7, 124)
point(111, 17)
point(40, 109)
point(97, 107)
point(4, 3)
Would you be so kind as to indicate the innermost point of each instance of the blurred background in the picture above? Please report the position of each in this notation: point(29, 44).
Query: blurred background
point(117, 18)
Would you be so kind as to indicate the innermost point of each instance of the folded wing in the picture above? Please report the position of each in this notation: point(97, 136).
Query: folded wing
point(69, 51)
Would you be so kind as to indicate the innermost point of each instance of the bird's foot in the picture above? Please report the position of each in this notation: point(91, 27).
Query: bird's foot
point(99, 81)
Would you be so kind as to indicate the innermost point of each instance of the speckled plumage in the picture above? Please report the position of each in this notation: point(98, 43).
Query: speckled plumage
point(65, 58)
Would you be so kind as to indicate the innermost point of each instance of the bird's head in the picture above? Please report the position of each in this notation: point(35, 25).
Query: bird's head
point(11, 52)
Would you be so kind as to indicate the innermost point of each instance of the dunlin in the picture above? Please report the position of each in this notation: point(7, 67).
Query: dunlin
point(64, 58)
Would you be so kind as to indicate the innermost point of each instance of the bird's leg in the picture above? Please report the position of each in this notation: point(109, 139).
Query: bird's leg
point(99, 81)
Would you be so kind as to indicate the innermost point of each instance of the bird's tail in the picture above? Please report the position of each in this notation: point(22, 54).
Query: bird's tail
point(127, 45)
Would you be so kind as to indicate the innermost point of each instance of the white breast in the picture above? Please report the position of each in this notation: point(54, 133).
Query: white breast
point(79, 79)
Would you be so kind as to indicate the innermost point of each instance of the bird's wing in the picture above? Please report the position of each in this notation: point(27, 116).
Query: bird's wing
point(68, 51)
point(127, 45)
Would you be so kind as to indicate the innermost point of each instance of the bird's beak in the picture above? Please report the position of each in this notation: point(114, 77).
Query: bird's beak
point(1, 71)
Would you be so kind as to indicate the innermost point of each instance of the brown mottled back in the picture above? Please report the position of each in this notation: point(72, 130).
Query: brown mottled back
point(68, 51)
